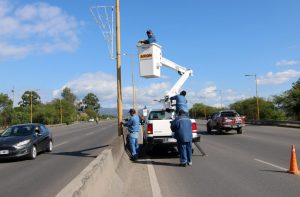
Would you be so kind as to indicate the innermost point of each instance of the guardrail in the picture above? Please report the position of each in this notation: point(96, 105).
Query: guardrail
point(293, 124)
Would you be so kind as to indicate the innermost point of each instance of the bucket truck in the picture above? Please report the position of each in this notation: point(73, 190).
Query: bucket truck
point(157, 123)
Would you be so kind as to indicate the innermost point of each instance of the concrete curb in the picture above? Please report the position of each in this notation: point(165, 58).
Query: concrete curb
point(104, 176)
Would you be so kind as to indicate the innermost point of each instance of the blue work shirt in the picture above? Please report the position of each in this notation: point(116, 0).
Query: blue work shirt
point(151, 39)
point(182, 128)
point(133, 125)
point(181, 103)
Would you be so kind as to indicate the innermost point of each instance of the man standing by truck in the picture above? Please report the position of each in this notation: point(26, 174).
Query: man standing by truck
point(182, 127)
point(133, 125)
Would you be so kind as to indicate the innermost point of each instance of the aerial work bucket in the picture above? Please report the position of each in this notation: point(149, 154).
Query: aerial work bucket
point(150, 60)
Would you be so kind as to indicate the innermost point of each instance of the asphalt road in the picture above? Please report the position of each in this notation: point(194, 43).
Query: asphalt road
point(251, 164)
point(75, 146)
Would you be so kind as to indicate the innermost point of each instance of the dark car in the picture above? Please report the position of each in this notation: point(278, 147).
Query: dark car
point(25, 140)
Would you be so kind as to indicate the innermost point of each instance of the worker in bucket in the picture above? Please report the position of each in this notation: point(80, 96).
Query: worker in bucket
point(151, 38)
point(182, 128)
point(181, 102)
point(133, 125)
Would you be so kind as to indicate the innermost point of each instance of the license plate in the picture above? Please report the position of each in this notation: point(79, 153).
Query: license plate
point(234, 126)
point(172, 140)
point(4, 152)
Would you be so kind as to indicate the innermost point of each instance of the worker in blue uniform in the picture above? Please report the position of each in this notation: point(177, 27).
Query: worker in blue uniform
point(151, 38)
point(182, 128)
point(181, 102)
point(133, 125)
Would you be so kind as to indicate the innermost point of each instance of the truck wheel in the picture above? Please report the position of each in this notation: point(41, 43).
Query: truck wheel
point(149, 149)
point(208, 129)
point(219, 129)
point(239, 131)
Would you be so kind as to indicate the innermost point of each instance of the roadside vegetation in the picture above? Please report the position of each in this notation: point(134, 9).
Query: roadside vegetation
point(65, 110)
point(285, 106)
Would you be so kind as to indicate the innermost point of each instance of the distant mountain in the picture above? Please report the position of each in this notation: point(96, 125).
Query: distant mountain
point(112, 111)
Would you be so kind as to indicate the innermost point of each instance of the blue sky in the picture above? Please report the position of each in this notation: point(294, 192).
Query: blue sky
point(48, 45)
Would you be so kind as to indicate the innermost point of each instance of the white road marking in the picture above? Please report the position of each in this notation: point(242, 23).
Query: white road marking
point(270, 164)
point(60, 144)
point(153, 180)
point(90, 133)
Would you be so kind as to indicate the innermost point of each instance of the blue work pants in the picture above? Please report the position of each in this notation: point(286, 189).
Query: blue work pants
point(134, 146)
point(185, 151)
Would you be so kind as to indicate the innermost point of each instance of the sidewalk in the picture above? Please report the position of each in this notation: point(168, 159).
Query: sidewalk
point(138, 181)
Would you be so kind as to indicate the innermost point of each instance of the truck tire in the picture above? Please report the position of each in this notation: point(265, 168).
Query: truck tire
point(219, 129)
point(239, 131)
point(208, 129)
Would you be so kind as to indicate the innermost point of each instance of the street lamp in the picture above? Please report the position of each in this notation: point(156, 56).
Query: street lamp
point(204, 106)
point(131, 56)
point(61, 117)
point(31, 104)
point(257, 104)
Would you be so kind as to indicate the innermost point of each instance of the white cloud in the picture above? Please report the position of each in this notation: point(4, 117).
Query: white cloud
point(287, 63)
point(105, 87)
point(278, 78)
point(36, 28)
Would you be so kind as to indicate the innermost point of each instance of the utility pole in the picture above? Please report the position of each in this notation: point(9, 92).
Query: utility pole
point(119, 85)
point(257, 103)
point(61, 117)
point(31, 106)
point(131, 57)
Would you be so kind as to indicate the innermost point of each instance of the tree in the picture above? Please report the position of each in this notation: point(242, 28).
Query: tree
point(201, 110)
point(91, 105)
point(6, 110)
point(91, 101)
point(289, 101)
point(68, 95)
point(29, 96)
point(267, 109)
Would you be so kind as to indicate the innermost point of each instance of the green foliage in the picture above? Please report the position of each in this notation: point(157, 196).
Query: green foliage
point(201, 111)
point(90, 105)
point(6, 110)
point(68, 95)
point(29, 96)
point(248, 107)
point(289, 101)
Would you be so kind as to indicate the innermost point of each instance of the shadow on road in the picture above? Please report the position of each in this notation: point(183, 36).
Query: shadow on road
point(278, 171)
point(80, 153)
point(216, 133)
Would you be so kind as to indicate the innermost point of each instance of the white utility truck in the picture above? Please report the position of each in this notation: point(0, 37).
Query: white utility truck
point(157, 122)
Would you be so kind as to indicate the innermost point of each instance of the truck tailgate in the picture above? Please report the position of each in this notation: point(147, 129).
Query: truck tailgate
point(161, 128)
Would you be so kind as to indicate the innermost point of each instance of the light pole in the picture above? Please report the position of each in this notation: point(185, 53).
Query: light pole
point(131, 56)
point(257, 104)
point(61, 117)
point(31, 104)
point(204, 106)
point(119, 86)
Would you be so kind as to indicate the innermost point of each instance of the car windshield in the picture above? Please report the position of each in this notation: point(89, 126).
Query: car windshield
point(23, 130)
point(157, 115)
point(229, 114)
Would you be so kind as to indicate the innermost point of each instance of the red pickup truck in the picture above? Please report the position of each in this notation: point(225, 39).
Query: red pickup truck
point(225, 121)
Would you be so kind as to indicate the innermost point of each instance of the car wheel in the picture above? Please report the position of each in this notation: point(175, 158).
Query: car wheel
point(33, 152)
point(50, 146)
point(208, 129)
point(239, 131)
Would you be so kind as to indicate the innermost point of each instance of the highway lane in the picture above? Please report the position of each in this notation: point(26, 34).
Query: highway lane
point(75, 146)
point(251, 164)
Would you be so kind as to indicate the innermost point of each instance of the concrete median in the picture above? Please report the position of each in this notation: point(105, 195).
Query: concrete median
point(104, 176)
